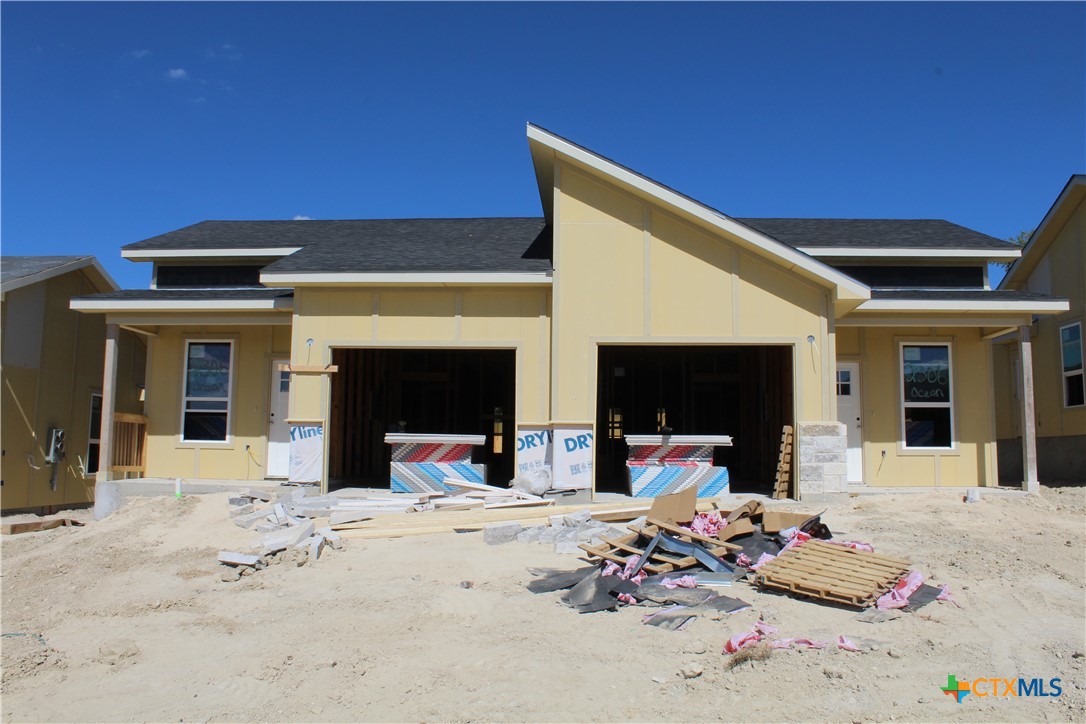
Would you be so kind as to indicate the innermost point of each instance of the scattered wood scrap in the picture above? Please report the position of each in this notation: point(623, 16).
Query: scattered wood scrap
point(832, 573)
point(33, 526)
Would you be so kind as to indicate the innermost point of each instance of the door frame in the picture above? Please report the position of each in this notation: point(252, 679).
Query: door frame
point(856, 389)
point(272, 383)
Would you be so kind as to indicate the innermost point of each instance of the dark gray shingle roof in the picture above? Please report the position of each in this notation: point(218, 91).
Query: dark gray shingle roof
point(426, 245)
point(378, 245)
point(17, 267)
point(876, 234)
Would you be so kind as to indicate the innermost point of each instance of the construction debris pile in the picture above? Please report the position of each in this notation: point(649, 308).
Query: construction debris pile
point(288, 521)
point(289, 534)
point(679, 561)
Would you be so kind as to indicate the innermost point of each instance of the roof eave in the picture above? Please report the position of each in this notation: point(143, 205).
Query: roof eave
point(1025, 306)
point(108, 306)
point(418, 279)
point(221, 253)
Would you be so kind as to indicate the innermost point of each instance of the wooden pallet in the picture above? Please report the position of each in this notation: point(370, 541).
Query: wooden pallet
point(784, 464)
point(832, 573)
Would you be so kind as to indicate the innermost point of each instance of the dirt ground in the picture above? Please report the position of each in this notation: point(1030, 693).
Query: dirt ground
point(127, 620)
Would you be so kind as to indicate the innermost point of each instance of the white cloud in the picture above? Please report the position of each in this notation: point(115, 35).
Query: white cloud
point(177, 74)
point(225, 51)
point(137, 54)
point(299, 217)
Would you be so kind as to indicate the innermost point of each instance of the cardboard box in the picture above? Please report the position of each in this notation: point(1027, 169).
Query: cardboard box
point(774, 521)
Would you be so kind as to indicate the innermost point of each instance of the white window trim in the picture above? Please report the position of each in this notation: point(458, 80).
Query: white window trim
point(91, 440)
point(1063, 367)
point(229, 441)
point(949, 404)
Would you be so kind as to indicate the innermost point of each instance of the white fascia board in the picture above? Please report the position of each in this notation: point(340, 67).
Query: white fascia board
point(181, 305)
point(788, 255)
point(852, 252)
point(63, 269)
point(259, 253)
point(942, 305)
point(291, 279)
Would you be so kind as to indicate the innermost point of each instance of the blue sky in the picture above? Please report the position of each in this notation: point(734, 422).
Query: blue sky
point(122, 121)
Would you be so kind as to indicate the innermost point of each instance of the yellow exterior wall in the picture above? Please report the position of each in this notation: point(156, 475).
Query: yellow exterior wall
point(972, 461)
point(1061, 272)
point(255, 346)
point(49, 384)
point(629, 271)
point(467, 317)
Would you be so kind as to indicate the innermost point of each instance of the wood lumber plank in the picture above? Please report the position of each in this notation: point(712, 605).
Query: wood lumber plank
point(520, 504)
point(621, 560)
point(676, 530)
point(717, 548)
point(685, 562)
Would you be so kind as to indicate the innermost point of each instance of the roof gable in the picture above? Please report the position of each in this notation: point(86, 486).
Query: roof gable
point(1073, 194)
point(22, 271)
point(545, 146)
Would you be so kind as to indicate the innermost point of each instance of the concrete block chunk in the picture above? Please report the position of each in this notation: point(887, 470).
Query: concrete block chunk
point(316, 546)
point(342, 517)
point(288, 538)
point(280, 513)
point(241, 510)
point(248, 519)
point(575, 519)
point(498, 533)
point(531, 535)
point(259, 495)
point(566, 547)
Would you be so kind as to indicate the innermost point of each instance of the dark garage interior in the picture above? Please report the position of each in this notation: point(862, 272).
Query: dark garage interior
point(434, 391)
point(738, 390)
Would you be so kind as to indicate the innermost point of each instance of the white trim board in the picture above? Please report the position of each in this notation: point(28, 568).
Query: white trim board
point(256, 252)
point(784, 254)
point(853, 252)
point(945, 305)
point(292, 279)
point(181, 305)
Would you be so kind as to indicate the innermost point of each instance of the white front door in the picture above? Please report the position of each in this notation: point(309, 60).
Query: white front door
point(849, 414)
point(278, 430)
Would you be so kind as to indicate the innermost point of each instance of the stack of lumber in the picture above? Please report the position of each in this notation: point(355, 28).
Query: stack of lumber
point(449, 521)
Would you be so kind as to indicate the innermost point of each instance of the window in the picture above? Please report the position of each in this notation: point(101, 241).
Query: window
point(926, 395)
point(844, 382)
point(94, 437)
point(1071, 357)
point(207, 391)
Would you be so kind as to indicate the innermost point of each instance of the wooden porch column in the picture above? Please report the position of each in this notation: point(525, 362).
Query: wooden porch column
point(109, 394)
point(1028, 414)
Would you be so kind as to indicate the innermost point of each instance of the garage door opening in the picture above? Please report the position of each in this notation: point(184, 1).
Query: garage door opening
point(742, 391)
point(432, 391)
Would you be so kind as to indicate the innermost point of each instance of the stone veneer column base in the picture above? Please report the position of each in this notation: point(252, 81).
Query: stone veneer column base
point(821, 449)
